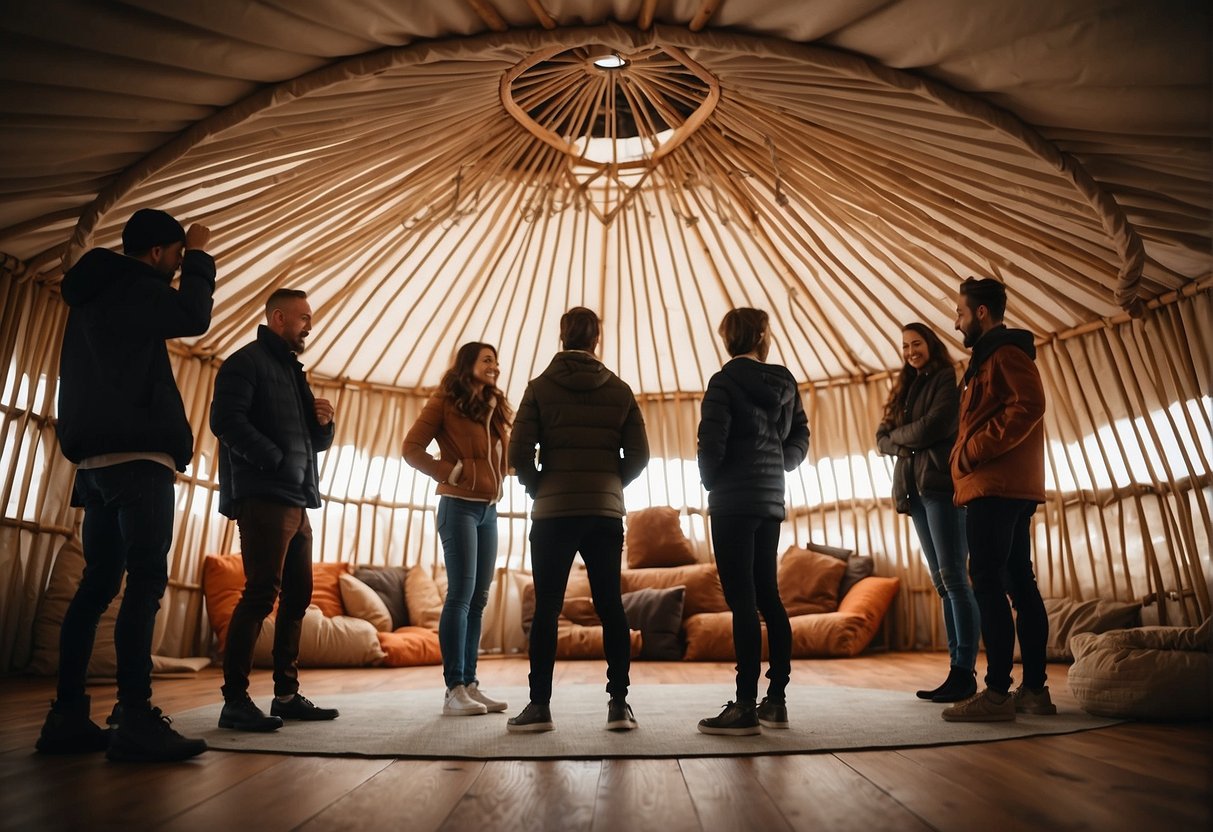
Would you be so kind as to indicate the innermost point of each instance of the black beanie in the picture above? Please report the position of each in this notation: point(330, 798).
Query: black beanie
point(147, 228)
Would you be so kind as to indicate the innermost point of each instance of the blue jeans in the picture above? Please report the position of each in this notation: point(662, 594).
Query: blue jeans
point(469, 545)
point(128, 527)
point(941, 531)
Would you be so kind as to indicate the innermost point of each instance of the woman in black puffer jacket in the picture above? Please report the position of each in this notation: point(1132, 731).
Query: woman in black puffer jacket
point(919, 429)
point(752, 429)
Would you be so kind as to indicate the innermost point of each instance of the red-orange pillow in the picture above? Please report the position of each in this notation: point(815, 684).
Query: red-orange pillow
point(222, 586)
point(655, 538)
point(809, 581)
point(410, 646)
point(326, 587)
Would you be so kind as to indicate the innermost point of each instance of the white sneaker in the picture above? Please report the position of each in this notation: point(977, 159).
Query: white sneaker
point(491, 705)
point(458, 703)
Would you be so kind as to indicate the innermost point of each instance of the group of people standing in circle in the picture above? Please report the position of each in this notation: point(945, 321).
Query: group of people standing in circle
point(969, 470)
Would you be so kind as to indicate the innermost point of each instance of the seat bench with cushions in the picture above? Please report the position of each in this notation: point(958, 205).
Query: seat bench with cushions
point(835, 604)
point(366, 616)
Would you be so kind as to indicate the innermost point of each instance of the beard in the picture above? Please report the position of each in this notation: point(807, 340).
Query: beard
point(971, 334)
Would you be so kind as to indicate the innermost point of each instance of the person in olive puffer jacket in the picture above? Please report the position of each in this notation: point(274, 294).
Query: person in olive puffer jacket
point(919, 429)
point(469, 416)
point(752, 429)
point(591, 440)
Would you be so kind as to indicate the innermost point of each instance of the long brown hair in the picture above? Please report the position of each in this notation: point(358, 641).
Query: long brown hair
point(459, 385)
point(937, 359)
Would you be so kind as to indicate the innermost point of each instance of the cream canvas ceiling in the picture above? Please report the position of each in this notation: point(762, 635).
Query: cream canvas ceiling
point(425, 170)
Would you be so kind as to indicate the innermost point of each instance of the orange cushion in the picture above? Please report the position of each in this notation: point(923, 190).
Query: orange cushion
point(326, 587)
point(702, 582)
point(574, 641)
point(849, 631)
point(222, 586)
point(809, 581)
point(410, 646)
point(655, 538)
point(710, 638)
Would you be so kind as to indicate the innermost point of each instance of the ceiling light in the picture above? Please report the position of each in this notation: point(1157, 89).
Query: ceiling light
point(611, 61)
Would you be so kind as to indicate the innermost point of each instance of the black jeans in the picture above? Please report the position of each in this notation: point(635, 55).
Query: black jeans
point(554, 543)
point(1000, 562)
point(746, 552)
point(276, 548)
point(128, 527)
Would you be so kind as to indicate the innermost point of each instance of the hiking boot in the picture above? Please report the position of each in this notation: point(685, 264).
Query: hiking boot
point(145, 735)
point(458, 702)
point(619, 715)
point(244, 715)
point(69, 730)
point(490, 704)
point(959, 686)
point(1033, 701)
point(301, 708)
point(111, 721)
point(738, 719)
point(987, 706)
point(772, 713)
point(534, 719)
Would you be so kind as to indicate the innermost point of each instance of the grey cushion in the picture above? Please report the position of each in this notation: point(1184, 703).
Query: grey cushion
point(657, 613)
point(388, 583)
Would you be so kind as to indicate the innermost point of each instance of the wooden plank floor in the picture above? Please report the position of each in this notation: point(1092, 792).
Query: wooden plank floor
point(1131, 777)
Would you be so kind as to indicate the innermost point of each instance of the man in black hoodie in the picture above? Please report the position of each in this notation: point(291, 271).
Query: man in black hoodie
point(121, 420)
point(592, 443)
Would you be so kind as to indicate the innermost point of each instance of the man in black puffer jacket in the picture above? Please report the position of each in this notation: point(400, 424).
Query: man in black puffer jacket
point(122, 422)
point(270, 428)
point(592, 443)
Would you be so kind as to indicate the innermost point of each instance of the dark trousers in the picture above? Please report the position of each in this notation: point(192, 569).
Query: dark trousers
point(554, 543)
point(276, 548)
point(128, 527)
point(1000, 562)
point(746, 552)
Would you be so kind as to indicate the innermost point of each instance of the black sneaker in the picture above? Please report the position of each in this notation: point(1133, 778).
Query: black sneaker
point(534, 719)
point(145, 735)
point(738, 719)
point(246, 716)
point(302, 708)
point(69, 730)
point(772, 713)
point(619, 715)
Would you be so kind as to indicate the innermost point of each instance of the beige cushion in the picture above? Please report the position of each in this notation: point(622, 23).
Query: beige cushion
point(326, 641)
point(1068, 618)
point(655, 538)
point(1145, 673)
point(702, 582)
point(52, 606)
point(360, 601)
point(423, 599)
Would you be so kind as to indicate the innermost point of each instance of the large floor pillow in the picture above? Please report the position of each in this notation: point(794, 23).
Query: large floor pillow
point(326, 641)
point(1157, 673)
point(52, 606)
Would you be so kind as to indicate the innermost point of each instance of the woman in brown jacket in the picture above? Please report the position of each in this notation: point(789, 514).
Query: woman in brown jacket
point(470, 418)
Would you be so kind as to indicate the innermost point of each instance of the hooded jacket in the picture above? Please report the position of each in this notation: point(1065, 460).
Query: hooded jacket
point(590, 434)
point(117, 393)
point(480, 448)
point(1000, 447)
point(923, 442)
point(752, 429)
point(264, 415)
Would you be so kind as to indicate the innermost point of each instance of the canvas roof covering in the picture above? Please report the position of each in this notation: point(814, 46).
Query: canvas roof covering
point(437, 172)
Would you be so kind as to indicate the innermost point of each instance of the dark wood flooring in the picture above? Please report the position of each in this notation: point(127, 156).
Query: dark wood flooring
point(1129, 777)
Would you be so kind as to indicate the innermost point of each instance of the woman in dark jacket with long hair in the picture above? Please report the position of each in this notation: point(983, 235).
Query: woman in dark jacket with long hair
point(752, 429)
point(919, 429)
point(470, 418)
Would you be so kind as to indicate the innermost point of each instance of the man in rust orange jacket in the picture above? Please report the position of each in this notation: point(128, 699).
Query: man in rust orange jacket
point(998, 473)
